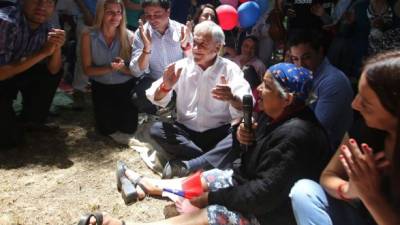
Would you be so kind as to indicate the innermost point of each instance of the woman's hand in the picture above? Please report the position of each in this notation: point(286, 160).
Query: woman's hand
point(117, 64)
point(201, 201)
point(184, 205)
point(246, 136)
point(362, 169)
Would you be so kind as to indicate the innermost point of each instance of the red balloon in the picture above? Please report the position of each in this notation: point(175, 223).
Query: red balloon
point(227, 17)
point(241, 1)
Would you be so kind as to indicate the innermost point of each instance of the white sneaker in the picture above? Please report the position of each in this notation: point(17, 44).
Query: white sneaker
point(142, 118)
point(152, 160)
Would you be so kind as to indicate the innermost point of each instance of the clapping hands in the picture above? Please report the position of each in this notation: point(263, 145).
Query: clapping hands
point(145, 36)
point(364, 170)
point(117, 64)
point(55, 40)
point(185, 34)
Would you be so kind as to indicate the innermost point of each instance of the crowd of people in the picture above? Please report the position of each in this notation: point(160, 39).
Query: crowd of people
point(323, 145)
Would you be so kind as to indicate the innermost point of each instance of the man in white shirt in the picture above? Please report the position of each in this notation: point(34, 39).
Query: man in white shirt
point(208, 90)
point(156, 45)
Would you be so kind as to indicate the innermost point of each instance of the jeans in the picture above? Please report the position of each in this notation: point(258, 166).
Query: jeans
point(313, 206)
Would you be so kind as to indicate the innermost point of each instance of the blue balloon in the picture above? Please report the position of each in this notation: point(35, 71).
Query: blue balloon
point(248, 12)
point(263, 5)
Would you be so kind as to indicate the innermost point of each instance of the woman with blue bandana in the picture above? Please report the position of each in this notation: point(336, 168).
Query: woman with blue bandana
point(287, 145)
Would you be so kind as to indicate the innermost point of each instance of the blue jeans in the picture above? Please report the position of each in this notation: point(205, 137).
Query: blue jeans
point(313, 206)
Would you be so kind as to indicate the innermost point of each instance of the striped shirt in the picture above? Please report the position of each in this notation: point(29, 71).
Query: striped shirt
point(165, 49)
point(17, 40)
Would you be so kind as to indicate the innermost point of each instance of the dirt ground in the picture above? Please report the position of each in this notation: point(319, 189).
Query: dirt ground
point(54, 178)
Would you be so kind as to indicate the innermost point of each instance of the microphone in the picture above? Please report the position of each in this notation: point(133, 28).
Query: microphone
point(247, 110)
point(247, 114)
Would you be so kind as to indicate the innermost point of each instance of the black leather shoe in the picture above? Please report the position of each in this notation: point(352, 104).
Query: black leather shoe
point(175, 168)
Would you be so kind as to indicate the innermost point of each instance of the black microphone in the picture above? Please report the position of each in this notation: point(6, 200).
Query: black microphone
point(247, 110)
point(247, 114)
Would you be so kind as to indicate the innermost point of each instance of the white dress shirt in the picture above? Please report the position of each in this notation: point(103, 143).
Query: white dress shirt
point(196, 108)
point(165, 49)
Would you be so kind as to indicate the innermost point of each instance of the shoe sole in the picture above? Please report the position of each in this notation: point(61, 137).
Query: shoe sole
point(128, 191)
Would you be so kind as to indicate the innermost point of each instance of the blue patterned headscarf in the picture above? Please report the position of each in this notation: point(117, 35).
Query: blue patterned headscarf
point(293, 79)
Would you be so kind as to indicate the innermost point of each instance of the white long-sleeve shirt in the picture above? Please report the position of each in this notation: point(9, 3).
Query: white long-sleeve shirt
point(196, 108)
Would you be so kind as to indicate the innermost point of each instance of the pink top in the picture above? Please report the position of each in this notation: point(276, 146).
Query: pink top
point(255, 62)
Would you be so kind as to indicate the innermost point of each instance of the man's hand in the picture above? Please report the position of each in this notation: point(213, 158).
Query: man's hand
point(117, 64)
point(170, 77)
point(55, 40)
point(48, 48)
point(222, 91)
point(146, 37)
point(185, 34)
point(57, 37)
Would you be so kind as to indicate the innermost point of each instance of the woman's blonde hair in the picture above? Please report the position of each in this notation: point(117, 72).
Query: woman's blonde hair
point(124, 34)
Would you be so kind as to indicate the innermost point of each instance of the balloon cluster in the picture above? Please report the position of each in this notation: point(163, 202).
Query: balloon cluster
point(246, 15)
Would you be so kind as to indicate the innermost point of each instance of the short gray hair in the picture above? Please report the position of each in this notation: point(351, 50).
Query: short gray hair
point(209, 27)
